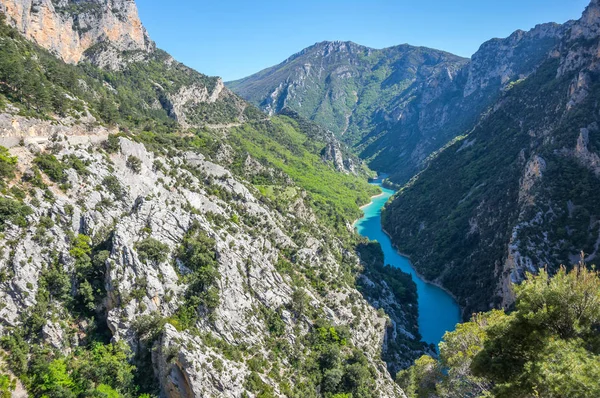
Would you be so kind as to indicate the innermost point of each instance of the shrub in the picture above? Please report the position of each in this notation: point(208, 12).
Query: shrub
point(8, 164)
point(198, 253)
point(78, 165)
point(134, 163)
point(112, 144)
point(112, 185)
point(50, 165)
point(14, 212)
point(152, 250)
point(7, 386)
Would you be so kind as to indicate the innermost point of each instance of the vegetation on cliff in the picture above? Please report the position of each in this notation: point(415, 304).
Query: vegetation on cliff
point(514, 187)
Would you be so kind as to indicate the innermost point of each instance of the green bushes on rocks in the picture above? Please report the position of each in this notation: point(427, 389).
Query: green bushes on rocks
point(8, 164)
point(14, 212)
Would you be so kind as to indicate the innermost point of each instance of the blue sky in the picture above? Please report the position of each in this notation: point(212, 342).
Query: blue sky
point(235, 38)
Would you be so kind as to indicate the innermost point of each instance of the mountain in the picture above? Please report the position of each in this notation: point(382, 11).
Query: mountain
point(328, 81)
point(517, 192)
point(159, 235)
point(399, 105)
point(355, 91)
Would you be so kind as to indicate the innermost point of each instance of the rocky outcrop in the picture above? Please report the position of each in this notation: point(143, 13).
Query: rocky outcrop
point(499, 62)
point(161, 200)
point(333, 153)
point(587, 158)
point(70, 28)
point(16, 130)
point(188, 99)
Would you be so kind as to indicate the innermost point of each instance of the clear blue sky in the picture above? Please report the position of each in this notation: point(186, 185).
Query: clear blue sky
point(235, 38)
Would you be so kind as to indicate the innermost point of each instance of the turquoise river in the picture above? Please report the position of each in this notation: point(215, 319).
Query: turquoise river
point(438, 311)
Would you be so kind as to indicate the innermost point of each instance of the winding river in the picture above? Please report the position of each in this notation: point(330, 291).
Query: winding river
point(438, 311)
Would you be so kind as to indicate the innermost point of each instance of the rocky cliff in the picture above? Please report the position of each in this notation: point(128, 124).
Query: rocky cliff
point(71, 29)
point(516, 192)
point(125, 208)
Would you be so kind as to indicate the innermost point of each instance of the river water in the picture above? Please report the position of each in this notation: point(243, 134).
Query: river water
point(438, 311)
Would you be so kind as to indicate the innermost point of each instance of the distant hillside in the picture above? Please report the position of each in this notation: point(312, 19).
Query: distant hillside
point(398, 105)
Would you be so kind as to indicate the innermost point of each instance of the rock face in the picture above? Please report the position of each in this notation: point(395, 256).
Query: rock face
point(69, 28)
point(186, 101)
point(514, 194)
point(162, 202)
point(333, 153)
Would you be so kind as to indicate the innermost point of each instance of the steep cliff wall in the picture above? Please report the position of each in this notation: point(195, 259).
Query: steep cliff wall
point(516, 192)
point(69, 28)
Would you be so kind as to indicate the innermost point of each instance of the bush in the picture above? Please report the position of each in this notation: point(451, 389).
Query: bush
point(112, 185)
point(8, 164)
point(101, 369)
point(13, 212)
point(77, 164)
point(112, 144)
point(50, 165)
point(7, 386)
point(152, 250)
point(255, 384)
point(134, 163)
point(198, 253)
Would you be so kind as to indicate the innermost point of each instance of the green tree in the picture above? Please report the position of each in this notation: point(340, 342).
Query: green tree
point(50, 165)
point(565, 307)
point(548, 347)
point(53, 379)
point(198, 253)
point(7, 386)
point(108, 110)
point(152, 250)
point(14, 212)
point(105, 391)
point(112, 144)
point(421, 380)
point(8, 164)
point(134, 163)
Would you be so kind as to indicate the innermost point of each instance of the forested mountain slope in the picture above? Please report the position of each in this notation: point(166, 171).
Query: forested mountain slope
point(518, 191)
point(398, 105)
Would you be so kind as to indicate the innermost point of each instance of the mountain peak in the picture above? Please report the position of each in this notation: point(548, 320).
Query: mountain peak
point(326, 48)
point(589, 24)
point(69, 28)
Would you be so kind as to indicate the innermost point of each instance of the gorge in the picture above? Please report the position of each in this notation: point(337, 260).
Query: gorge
point(167, 234)
point(438, 311)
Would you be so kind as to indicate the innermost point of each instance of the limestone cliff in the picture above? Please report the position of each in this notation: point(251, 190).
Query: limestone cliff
point(70, 28)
